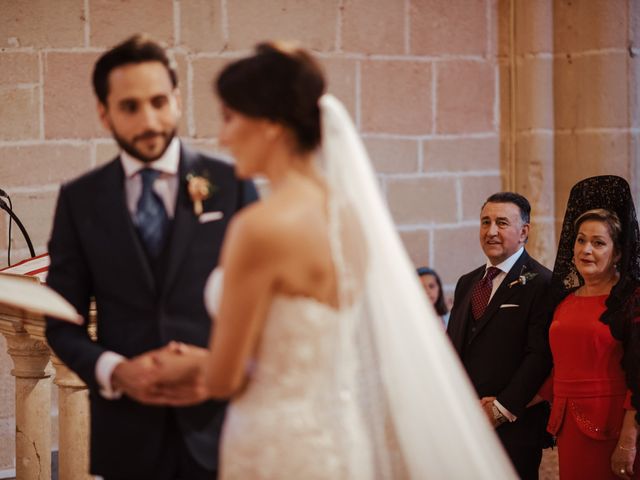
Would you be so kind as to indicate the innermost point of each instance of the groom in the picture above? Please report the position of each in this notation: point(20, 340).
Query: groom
point(141, 235)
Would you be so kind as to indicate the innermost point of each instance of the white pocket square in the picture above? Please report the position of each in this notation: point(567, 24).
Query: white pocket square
point(210, 216)
point(509, 305)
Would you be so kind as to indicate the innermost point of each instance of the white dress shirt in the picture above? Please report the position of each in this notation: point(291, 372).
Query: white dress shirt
point(166, 186)
point(504, 268)
point(497, 281)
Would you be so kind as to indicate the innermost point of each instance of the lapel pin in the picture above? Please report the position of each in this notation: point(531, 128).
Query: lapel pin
point(523, 279)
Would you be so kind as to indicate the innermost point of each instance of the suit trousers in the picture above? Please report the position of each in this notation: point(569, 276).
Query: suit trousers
point(525, 459)
point(524, 440)
point(176, 462)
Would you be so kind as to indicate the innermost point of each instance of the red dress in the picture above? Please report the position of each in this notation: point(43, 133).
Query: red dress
point(589, 390)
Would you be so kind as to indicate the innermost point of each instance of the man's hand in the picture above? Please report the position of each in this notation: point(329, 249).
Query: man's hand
point(137, 379)
point(181, 379)
point(172, 375)
point(487, 405)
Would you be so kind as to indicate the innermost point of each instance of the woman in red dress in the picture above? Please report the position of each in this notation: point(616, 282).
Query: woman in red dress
point(592, 332)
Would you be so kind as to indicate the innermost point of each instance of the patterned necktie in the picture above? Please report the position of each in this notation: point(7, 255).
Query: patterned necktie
point(151, 217)
point(482, 292)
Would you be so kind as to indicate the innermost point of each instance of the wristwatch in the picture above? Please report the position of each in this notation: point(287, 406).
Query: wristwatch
point(498, 417)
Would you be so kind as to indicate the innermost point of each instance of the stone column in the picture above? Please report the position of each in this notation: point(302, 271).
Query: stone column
point(33, 405)
point(73, 421)
point(528, 115)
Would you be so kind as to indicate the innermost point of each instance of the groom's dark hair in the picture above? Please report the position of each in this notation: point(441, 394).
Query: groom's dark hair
point(139, 48)
point(280, 82)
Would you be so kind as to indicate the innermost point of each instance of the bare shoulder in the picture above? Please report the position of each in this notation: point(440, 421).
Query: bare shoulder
point(266, 228)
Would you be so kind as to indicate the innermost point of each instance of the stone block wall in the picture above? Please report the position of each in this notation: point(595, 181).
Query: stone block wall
point(419, 77)
point(574, 101)
point(596, 66)
point(455, 99)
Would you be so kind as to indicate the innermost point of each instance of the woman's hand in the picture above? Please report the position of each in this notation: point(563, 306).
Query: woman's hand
point(535, 400)
point(622, 460)
point(181, 373)
point(624, 455)
point(179, 363)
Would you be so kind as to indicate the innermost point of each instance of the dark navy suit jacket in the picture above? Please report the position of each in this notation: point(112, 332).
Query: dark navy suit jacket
point(95, 252)
point(506, 352)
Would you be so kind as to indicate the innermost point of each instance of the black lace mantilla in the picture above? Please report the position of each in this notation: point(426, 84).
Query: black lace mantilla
point(623, 305)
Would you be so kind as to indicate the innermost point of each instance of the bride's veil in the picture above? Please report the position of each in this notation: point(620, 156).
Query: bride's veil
point(422, 416)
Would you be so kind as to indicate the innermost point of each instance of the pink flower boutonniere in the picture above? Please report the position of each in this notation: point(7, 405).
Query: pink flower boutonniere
point(200, 189)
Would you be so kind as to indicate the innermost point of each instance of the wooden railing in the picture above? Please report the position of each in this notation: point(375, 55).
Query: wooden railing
point(35, 367)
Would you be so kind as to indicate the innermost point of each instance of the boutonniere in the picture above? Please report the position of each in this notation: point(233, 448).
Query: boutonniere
point(523, 279)
point(199, 188)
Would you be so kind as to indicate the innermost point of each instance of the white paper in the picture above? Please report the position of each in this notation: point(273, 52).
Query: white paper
point(29, 295)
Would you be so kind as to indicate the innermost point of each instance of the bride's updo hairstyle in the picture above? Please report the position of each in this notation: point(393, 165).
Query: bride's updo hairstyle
point(280, 82)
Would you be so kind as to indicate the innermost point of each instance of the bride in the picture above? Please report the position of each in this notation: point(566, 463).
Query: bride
point(336, 365)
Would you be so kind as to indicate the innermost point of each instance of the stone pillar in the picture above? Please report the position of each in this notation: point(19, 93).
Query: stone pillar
point(33, 406)
point(527, 116)
point(73, 421)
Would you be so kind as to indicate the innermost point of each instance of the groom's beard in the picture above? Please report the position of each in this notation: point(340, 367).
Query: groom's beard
point(130, 148)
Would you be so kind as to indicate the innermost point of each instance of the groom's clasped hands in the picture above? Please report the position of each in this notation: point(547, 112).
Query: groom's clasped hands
point(172, 375)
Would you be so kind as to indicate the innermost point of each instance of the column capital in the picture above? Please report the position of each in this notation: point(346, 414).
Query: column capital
point(30, 356)
point(65, 377)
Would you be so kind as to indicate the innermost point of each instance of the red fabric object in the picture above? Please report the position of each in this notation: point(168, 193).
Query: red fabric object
point(581, 457)
point(589, 389)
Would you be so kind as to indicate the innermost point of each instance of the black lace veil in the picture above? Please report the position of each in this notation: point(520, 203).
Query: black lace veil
point(623, 305)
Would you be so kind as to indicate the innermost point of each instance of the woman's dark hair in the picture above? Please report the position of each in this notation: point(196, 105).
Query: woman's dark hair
point(278, 82)
point(136, 49)
point(609, 218)
point(439, 305)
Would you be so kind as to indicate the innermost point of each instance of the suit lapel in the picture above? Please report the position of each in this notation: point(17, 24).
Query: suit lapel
point(503, 293)
point(112, 214)
point(185, 221)
point(464, 313)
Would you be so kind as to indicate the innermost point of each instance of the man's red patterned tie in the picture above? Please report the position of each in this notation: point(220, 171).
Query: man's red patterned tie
point(482, 292)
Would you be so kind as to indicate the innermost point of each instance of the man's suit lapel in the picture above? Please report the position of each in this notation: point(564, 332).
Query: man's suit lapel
point(464, 313)
point(112, 213)
point(185, 221)
point(502, 294)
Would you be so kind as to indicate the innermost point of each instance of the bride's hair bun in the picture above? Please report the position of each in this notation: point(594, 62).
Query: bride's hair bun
point(281, 82)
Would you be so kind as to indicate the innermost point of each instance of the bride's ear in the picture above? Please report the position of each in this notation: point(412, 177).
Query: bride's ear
point(273, 130)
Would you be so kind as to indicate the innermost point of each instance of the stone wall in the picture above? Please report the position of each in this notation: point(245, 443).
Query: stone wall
point(570, 105)
point(419, 77)
point(455, 99)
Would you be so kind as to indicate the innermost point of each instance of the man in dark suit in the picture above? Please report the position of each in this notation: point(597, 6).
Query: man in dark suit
point(141, 234)
point(499, 326)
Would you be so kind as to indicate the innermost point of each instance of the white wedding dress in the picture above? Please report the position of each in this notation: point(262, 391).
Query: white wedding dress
point(295, 420)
